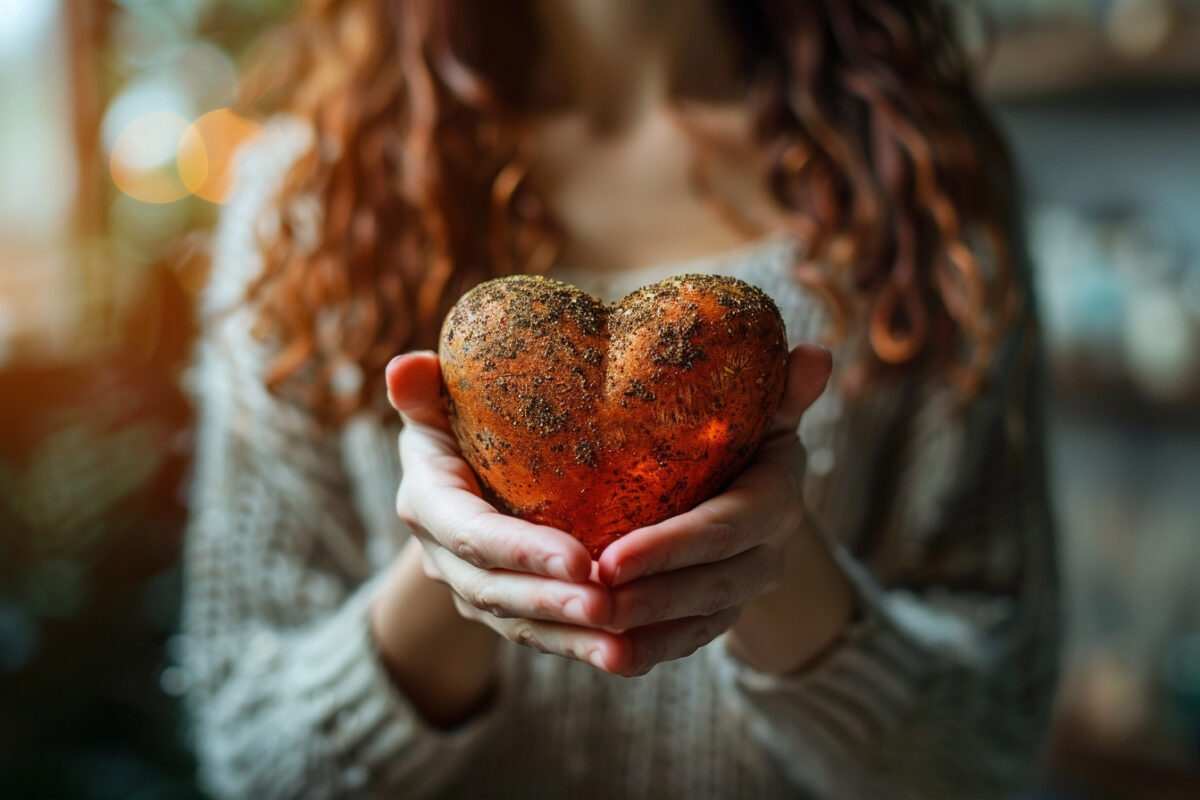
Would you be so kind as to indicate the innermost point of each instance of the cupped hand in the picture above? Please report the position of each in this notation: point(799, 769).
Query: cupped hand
point(663, 591)
point(679, 584)
point(529, 583)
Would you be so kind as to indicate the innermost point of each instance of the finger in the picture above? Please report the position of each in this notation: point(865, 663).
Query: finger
point(809, 367)
point(667, 641)
point(509, 595)
point(699, 591)
point(603, 650)
point(757, 507)
point(470, 528)
point(433, 457)
point(414, 383)
point(439, 499)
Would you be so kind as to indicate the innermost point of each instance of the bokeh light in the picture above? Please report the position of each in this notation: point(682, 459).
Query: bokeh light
point(208, 73)
point(1139, 28)
point(143, 162)
point(145, 37)
point(1162, 343)
point(162, 92)
point(207, 150)
point(23, 24)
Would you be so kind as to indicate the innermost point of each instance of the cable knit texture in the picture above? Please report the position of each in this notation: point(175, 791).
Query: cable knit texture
point(936, 513)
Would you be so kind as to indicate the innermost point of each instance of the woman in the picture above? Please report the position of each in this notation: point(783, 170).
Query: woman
point(879, 623)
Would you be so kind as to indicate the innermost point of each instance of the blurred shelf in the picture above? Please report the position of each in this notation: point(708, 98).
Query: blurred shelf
point(1093, 396)
point(1053, 58)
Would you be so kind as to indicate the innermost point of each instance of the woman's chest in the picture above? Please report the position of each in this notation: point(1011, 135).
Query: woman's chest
point(650, 195)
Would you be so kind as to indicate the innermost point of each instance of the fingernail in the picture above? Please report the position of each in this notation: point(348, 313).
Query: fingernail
point(627, 571)
point(557, 566)
point(596, 659)
point(573, 608)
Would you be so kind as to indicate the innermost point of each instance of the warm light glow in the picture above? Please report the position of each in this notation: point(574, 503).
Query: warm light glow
point(206, 153)
point(160, 157)
point(715, 432)
point(144, 155)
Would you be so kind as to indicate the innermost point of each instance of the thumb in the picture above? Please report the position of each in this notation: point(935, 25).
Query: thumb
point(808, 369)
point(414, 384)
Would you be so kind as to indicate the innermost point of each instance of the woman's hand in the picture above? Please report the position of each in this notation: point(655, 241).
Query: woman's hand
point(528, 583)
point(679, 584)
point(662, 591)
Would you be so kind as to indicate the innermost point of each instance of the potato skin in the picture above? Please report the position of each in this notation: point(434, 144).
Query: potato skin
point(599, 420)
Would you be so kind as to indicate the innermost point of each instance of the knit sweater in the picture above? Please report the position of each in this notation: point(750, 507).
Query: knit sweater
point(935, 511)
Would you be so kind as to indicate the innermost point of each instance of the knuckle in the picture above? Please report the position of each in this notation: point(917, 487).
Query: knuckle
point(486, 596)
point(483, 535)
point(465, 609)
point(708, 516)
point(720, 597)
point(659, 608)
point(544, 606)
point(520, 554)
point(652, 563)
point(634, 609)
point(581, 652)
point(705, 631)
point(463, 545)
point(702, 635)
point(722, 538)
point(524, 634)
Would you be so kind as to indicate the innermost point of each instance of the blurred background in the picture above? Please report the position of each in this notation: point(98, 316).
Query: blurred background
point(115, 146)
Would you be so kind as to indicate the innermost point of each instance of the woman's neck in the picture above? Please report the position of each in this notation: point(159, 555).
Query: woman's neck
point(617, 60)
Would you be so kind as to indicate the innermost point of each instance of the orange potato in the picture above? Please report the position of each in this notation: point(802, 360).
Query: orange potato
point(598, 420)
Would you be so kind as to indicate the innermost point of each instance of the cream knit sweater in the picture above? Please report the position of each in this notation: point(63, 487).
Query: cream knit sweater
point(941, 690)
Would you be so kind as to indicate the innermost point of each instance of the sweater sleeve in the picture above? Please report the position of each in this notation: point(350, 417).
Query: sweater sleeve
point(942, 688)
point(288, 697)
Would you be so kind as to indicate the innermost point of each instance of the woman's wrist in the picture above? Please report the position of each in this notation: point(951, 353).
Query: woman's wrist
point(790, 627)
point(445, 665)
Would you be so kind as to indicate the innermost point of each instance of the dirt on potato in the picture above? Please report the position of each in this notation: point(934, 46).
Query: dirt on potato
point(602, 419)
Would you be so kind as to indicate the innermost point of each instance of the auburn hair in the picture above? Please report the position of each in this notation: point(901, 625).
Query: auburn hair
point(880, 154)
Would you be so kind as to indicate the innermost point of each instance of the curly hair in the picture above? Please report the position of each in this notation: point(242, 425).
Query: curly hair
point(880, 154)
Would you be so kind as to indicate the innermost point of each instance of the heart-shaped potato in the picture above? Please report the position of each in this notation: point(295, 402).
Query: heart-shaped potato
point(597, 419)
